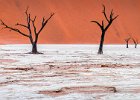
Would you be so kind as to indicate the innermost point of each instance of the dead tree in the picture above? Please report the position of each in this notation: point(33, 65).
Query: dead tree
point(104, 27)
point(135, 42)
point(127, 42)
point(33, 33)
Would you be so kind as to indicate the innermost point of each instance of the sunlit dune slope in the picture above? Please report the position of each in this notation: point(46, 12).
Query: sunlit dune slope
point(71, 23)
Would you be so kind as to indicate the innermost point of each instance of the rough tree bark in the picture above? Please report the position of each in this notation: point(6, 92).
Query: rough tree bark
point(127, 42)
point(32, 31)
point(135, 42)
point(104, 27)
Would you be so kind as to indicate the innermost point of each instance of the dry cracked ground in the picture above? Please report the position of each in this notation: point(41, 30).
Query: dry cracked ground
point(69, 72)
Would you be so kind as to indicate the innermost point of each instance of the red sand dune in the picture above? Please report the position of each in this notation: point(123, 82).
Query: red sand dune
point(71, 23)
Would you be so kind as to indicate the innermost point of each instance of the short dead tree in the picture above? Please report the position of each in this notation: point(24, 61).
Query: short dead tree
point(136, 42)
point(104, 27)
point(127, 42)
point(33, 33)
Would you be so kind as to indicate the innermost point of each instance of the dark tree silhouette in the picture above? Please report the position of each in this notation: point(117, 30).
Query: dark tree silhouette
point(33, 34)
point(104, 27)
point(135, 42)
point(127, 42)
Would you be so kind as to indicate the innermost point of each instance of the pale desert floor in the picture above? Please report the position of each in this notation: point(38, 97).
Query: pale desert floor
point(69, 72)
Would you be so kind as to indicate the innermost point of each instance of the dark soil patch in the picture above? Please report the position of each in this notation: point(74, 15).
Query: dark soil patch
point(113, 65)
point(23, 69)
point(80, 89)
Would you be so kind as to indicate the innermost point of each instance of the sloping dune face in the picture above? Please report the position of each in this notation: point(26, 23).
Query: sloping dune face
point(71, 23)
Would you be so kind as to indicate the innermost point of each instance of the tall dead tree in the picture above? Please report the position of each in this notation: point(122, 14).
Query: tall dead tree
point(33, 33)
point(104, 27)
point(135, 42)
point(127, 42)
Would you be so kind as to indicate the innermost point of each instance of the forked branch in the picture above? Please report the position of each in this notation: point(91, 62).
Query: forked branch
point(5, 26)
point(104, 12)
point(44, 22)
point(127, 39)
point(108, 19)
point(33, 22)
point(135, 41)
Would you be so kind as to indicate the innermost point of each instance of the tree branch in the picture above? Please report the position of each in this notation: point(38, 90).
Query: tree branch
point(127, 39)
point(104, 12)
point(27, 15)
point(28, 19)
point(109, 24)
point(13, 29)
point(44, 22)
point(115, 17)
point(111, 15)
point(33, 22)
point(103, 24)
point(98, 24)
point(21, 25)
point(135, 41)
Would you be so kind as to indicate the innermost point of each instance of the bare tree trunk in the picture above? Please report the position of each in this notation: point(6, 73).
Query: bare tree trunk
point(100, 51)
point(127, 42)
point(127, 45)
point(34, 48)
point(135, 45)
point(34, 45)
